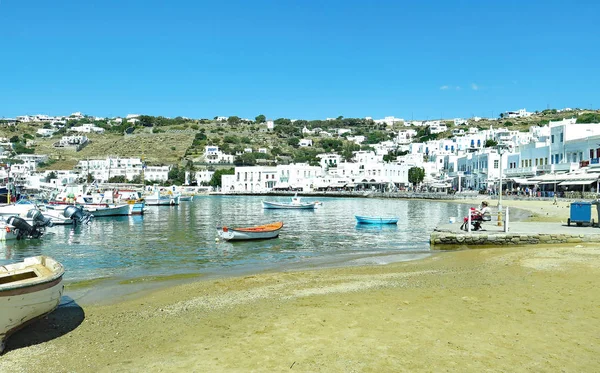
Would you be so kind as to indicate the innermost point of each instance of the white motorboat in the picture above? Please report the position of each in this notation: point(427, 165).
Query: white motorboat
point(28, 290)
point(296, 203)
point(100, 210)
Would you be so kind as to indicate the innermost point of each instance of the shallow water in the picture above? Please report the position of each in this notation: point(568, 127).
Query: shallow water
point(170, 240)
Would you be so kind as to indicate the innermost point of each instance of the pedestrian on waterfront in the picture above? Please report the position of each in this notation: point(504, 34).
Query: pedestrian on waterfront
point(477, 216)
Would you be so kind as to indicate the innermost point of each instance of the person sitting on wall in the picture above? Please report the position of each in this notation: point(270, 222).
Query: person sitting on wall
point(477, 216)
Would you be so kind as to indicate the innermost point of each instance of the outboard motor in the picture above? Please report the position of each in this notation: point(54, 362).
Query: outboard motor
point(39, 220)
point(23, 229)
point(77, 214)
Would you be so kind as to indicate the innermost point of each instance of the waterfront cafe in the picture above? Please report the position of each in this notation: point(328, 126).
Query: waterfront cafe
point(583, 182)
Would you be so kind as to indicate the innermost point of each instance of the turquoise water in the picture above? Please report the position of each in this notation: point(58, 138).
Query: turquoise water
point(170, 240)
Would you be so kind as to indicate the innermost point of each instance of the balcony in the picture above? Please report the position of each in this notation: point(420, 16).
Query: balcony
point(521, 171)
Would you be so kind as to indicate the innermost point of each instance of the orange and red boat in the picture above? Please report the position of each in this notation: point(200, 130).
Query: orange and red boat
point(260, 232)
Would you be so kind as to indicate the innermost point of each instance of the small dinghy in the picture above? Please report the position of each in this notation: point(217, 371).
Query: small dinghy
point(260, 232)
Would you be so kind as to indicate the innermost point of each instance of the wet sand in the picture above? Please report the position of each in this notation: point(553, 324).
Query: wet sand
point(512, 309)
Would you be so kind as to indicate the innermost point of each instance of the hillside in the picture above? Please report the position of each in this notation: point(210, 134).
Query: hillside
point(173, 141)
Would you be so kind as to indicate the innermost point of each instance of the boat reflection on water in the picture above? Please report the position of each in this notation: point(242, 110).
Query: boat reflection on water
point(376, 227)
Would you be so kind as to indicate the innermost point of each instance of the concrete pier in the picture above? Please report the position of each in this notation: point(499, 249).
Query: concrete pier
point(450, 236)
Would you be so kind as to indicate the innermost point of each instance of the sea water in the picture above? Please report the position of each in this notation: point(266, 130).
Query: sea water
point(172, 240)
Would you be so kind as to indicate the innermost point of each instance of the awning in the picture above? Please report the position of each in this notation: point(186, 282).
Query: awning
point(440, 185)
point(548, 182)
point(524, 181)
point(578, 182)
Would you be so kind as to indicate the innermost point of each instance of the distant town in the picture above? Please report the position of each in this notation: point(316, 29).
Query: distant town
point(542, 158)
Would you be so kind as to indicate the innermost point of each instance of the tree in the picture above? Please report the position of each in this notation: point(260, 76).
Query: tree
point(146, 120)
point(348, 151)
point(246, 159)
point(490, 143)
point(50, 176)
point(260, 119)
point(233, 120)
point(117, 179)
point(215, 180)
point(416, 175)
point(293, 141)
point(588, 118)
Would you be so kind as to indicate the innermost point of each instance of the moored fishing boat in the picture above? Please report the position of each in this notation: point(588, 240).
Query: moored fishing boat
point(28, 290)
point(136, 207)
point(260, 232)
point(296, 203)
point(99, 210)
point(376, 219)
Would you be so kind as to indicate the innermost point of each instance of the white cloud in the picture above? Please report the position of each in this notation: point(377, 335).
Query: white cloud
point(474, 86)
point(444, 87)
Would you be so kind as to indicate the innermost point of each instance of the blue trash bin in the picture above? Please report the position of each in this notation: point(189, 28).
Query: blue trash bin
point(581, 213)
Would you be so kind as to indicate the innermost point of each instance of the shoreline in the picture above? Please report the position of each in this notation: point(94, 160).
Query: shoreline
point(143, 285)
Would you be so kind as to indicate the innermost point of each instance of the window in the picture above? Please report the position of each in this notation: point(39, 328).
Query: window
point(552, 137)
point(496, 163)
point(561, 137)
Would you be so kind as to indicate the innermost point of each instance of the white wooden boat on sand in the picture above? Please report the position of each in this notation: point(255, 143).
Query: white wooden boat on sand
point(260, 232)
point(28, 290)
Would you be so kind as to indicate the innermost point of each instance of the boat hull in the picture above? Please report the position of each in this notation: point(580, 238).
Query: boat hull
point(151, 201)
point(376, 220)
point(28, 290)
point(277, 205)
point(7, 233)
point(136, 208)
point(262, 232)
point(108, 211)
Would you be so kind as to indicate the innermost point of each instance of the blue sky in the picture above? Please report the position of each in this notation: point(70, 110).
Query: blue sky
point(297, 59)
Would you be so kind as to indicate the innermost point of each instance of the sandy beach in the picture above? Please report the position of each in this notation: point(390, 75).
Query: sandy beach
point(532, 308)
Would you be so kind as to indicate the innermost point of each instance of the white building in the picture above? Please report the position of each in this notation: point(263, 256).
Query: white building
point(521, 113)
point(270, 124)
point(389, 121)
point(305, 143)
point(46, 132)
point(405, 136)
point(437, 127)
point(356, 139)
point(87, 128)
point(203, 176)
point(259, 179)
point(212, 154)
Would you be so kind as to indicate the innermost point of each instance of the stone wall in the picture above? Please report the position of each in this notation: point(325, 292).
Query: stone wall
point(450, 240)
